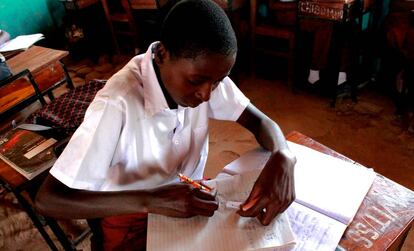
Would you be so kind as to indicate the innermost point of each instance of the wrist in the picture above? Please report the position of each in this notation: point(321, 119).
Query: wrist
point(142, 200)
point(285, 155)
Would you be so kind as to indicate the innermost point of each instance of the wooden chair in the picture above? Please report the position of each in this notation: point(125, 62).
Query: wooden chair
point(67, 111)
point(282, 26)
point(65, 114)
point(121, 22)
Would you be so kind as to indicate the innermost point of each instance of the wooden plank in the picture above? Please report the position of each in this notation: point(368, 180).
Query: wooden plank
point(15, 93)
point(143, 4)
point(49, 76)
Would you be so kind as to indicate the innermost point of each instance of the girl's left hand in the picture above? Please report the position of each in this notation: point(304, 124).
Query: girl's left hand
point(273, 190)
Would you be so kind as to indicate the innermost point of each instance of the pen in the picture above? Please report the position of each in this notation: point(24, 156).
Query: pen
point(195, 184)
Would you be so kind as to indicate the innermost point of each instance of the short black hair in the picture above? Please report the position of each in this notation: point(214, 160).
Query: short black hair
point(195, 27)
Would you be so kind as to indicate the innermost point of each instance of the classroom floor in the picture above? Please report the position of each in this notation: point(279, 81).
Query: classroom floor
point(368, 131)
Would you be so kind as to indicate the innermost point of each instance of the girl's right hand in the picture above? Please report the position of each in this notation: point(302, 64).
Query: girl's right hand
point(182, 200)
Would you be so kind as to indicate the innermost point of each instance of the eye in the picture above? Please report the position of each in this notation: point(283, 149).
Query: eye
point(195, 82)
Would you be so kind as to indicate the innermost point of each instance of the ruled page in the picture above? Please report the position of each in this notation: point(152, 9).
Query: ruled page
point(314, 231)
point(226, 230)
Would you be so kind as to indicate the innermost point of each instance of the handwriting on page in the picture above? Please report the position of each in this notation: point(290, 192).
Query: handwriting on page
point(313, 231)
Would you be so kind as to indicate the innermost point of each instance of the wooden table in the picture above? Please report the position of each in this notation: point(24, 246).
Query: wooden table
point(385, 215)
point(47, 70)
point(44, 64)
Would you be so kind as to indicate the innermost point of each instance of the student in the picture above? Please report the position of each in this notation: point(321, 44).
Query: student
point(322, 31)
point(399, 61)
point(150, 122)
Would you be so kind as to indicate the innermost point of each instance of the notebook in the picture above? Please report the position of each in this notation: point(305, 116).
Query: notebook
point(329, 192)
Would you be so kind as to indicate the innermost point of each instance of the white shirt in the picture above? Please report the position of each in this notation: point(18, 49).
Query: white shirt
point(130, 139)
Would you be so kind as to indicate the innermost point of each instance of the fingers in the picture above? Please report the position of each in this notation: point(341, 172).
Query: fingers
point(268, 214)
point(205, 208)
point(202, 194)
point(253, 207)
point(262, 207)
point(271, 211)
point(204, 203)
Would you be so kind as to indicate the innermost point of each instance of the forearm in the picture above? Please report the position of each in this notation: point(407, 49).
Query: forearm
point(270, 136)
point(59, 201)
point(176, 200)
point(267, 133)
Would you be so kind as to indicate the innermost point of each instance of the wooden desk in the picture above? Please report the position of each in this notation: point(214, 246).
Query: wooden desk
point(44, 64)
point(384, 217)
point(47, 70)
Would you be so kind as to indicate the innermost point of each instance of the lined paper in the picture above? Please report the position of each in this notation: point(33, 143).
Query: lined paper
point(314, 231)
point(226, 230)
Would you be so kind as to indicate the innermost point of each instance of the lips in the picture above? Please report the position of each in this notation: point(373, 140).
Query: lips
point(192, 104)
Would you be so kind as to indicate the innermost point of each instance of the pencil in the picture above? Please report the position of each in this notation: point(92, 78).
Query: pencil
point(195, 184)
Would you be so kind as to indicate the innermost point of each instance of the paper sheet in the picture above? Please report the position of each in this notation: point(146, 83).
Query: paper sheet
point(329, 185)
point(226, 230)
point(21, 42)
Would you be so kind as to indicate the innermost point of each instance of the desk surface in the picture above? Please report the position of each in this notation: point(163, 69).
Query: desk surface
point(35, 59)
point(385, 216)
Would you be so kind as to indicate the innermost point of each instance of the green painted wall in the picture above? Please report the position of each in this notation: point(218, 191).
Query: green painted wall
point(20, 17)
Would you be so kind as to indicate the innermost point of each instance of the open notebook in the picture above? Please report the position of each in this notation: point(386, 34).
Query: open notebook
point(329, 192)
point(226, 230)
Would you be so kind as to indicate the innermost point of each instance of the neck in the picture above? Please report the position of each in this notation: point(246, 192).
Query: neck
point(170, 101)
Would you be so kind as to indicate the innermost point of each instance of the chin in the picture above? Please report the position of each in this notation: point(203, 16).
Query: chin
point(192, 105)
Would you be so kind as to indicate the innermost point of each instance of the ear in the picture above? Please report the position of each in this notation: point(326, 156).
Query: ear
point(161, 54)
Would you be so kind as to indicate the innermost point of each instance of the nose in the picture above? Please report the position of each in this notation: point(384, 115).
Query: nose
point(204, 92)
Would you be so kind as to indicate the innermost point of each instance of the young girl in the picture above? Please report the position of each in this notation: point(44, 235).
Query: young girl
point(150, 122)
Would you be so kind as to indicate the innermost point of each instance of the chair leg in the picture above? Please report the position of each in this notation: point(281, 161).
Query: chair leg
point(67, 76)
point(30, 212)
point(111, 27)
point(63, 239)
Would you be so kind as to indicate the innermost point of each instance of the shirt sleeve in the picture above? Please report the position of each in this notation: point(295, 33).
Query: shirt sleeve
point(86, 159)
point(227, 102)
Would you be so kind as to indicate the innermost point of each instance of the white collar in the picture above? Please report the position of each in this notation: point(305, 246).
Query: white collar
point(154, 99)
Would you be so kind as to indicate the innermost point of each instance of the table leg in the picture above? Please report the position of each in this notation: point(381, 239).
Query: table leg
point(66, 244)
point(67, 76)
point(29, 210)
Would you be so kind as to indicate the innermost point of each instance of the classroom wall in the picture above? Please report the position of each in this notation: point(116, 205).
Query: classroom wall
point(19, 17)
